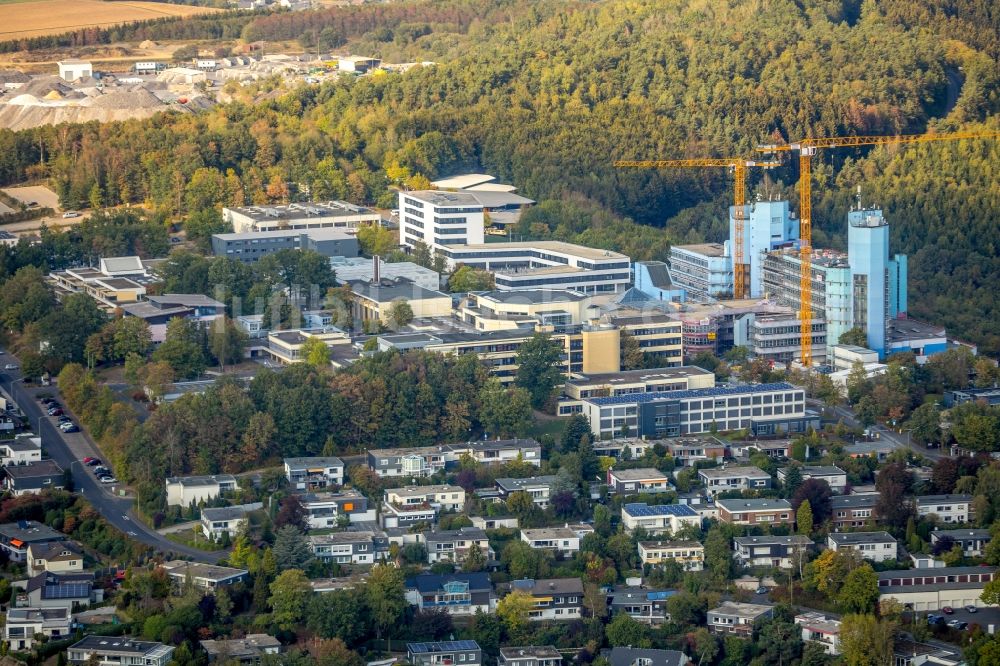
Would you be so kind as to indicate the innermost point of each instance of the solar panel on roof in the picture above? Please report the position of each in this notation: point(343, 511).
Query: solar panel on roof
point(633, 398)
point(659, 510)
point(439, 646)
point(66, 591)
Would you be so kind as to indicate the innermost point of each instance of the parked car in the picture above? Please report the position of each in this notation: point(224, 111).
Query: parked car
point(762, 590)
point(55, 411)
point(88, 460)
point(10, 366)
point(111, 479)
point(971, 609)
point(65, 424)
point(71, 427)
point(93, 461)
point(935, 619)
point(958, 624)
point(70, 214)
point(947, 610)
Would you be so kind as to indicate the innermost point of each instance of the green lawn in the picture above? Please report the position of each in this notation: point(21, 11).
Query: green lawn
point(547, 426)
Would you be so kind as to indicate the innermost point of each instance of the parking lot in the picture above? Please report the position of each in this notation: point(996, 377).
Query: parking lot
point(987, 618)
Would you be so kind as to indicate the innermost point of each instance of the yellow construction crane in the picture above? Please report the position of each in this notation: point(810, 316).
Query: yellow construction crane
point(741, 281)
point(807, 149)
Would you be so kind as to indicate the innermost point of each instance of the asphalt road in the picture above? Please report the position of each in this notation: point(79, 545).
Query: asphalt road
point(897, 440)
point(69, 449)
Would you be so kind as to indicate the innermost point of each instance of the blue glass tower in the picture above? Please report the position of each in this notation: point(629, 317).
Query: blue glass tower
point(878, 284)
point(767, 225)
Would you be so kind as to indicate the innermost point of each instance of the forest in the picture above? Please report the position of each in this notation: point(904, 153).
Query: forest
point(546, 94)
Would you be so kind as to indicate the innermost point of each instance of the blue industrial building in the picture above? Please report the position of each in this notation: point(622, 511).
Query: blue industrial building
point(767, 225)
point(878, 283)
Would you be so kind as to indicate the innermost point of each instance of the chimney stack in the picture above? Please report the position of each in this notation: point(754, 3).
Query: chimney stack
point(376, 278)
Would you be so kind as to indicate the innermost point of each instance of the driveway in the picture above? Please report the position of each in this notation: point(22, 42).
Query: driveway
point(69, 449)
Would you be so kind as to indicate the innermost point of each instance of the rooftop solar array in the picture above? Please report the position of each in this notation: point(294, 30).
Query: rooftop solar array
point(441, 646)
point(66, 591)
point(642, 510)
point(633, 398)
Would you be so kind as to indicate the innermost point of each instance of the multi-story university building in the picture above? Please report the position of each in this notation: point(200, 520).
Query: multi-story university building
point(253, 246)
point(315, 215)
point(704, 271)
point(659, 335)
point(546, 265)
point(778, 338)
point(762, 408)
point(689, 554)
point(439, 219)
point(630, 382)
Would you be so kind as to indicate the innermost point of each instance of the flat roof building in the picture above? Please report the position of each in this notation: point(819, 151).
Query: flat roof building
point(317, 214)
point(250, 247)
point(361, 269)
point(704, 270)
point(119, 650)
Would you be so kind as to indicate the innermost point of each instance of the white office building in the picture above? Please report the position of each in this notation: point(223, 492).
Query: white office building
point(439, 219)
point(314, 215)
point(704, 271)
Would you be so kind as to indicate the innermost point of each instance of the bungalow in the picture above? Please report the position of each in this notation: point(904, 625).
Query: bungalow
point(529, 656)
point(756, 512)
point(118, 650)
point(972, 542)
point(722, 479)
point(690, 555)
point(246, 651)
point(454, 545)
point(933, 589)
point(737, 618)
point(874, 546)
point(443, 497)
point(457, 593)
point(853, 511)
point(500, 451)
point(15, 538)
point(555, 599)
point(189, 490)
point(33, 478)
point(203, 576)
point(636, 481)
point(347, 547)
point(494, 522)
point(314, 473)
point(946, 508)
point(835, 477)
point(442, 653)
point(686, 451)
point(23, 624)
point(771, 551)
point(659, 519)
point(564, 541)
point(817, 628)
point(539, 488)
point(54, 556)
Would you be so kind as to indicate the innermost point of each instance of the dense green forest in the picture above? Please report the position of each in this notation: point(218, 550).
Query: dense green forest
point(546, 94)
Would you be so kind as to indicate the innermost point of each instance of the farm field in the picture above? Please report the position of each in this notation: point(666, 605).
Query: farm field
point(31, 18)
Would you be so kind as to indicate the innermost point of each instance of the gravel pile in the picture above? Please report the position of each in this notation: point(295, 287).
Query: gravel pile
point(137, 98)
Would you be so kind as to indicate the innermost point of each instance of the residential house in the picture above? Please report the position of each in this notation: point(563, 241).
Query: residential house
point(23, 624)
point(947, 508)
point(722, 479)
point(59, 590)
point(444, 653)
point(911, 653)
point(933, 589)
point(686, 451)
point(33, 478)
point(853, 511)
point(539, 488)
point(204, 576)
point(454, 545)
point(529, 655)
point(563, 541)
point(690, 555)
point(54, 556)
point(874, 546)
point(659, 519)
point(629, 656)
point(16, 537)
point(457, 593)
point(636, 481)
point(324, 510)
point(972, 542)
point(771, 551)
point(778, 449)
point(733, 617)
point(817, 628)
point(246, 651)
point(835, 477)
point(494, 522)
point(21, 451)
point(215, 522)
point(413, 462)
point(647, 606)
point(500, 451)
point(118, 651)
point(348, 547)
point(756, 512)
point(555, 598)
point(405, 507)
point(314, 473)
point(188, 490)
